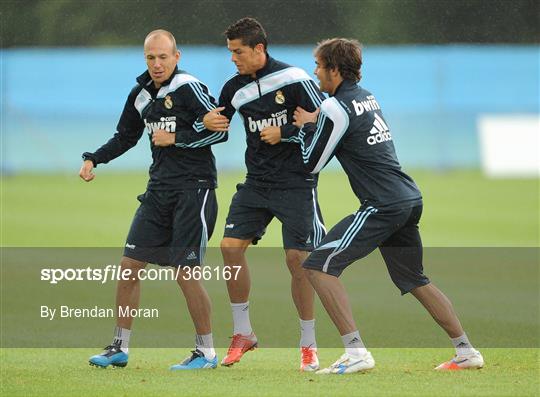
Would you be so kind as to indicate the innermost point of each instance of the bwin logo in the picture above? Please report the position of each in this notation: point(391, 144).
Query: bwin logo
point(380, 131)
point(277, 120)
point(165, 123)
point(365, 106)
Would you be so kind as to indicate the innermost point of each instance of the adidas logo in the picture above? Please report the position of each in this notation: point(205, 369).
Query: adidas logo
point(191, 256)
point(380, 131)
point(229, 226)
point(308, 241)
point(354, 340)
point(130, 246)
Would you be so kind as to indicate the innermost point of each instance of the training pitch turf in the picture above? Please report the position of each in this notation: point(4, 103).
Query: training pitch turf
point(266, 372)
point(496, 296)
point(460, 209)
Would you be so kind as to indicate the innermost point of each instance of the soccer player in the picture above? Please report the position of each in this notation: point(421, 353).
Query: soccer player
point(178, 211)
point(350, 126)
point(266, 92)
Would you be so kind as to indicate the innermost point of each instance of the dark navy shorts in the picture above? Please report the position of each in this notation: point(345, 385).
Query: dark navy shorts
point(393, 231)
point(253, 207)
point(172, 228)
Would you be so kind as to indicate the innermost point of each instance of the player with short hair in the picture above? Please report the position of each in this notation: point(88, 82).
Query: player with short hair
point(266, 92)
point(351, 127)
point(178, 211)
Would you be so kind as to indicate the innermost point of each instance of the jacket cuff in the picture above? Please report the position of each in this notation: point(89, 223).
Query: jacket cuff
point(309, 127)
point(90, 156)
point(288, 131)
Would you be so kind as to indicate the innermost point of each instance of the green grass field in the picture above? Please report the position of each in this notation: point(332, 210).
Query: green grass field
point(267, 372)
point(461, 209)
point(494, 290)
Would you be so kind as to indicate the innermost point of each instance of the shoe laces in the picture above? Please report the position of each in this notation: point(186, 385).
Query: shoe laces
point(237, 342)
point(343, 359)
point(307, 355)
point(111, 349)
point(194, 355)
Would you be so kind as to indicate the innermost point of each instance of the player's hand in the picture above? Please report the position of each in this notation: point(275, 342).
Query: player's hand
point(302, 116)
point(85, 172)
point(163, 138)
point(271, 135)
point(214, 121)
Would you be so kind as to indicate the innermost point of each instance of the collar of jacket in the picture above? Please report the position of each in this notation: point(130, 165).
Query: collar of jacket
point(145, 79)
point(267, 68)
point(345, 85)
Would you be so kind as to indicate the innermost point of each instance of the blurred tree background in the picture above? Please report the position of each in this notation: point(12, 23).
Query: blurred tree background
point(125, 22)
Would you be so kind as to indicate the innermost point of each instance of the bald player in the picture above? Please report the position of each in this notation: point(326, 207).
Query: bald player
point(177, 213)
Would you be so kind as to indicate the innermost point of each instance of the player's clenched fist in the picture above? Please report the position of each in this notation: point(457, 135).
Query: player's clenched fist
point(86, 171)
point(302, 116)
point(214, 121)
point(163, 138)
point(271, 135)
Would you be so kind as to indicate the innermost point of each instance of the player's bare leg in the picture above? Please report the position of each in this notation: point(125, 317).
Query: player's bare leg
point(128, 292)
point(302, 292)
point(200, 308)
point(333, 296)
point(197, 300)
point(303, 297)
point(440, 308)
point(234, 254)
point(238, 286)
point(442, 311)
point(127, 296)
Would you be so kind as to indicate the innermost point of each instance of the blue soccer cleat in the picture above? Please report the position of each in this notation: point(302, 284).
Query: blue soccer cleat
point(197, 360)
point(112, 355)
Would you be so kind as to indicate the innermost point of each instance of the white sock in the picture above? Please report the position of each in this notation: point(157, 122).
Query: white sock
point(462, 345)
point(205, 344)
point(121, 337)
point(240, 312)
point(353, 344)
point(307, 333)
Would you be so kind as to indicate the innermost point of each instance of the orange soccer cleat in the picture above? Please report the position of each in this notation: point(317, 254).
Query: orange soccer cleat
point(239, 345)
point(309, 361)
point(469, 361)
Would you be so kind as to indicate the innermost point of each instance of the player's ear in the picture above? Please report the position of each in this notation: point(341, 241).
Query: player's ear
point(259, 48)
point(178, 55)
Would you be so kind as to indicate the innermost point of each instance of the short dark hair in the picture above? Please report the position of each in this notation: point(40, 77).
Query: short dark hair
point(249, 30)
point(343, 54)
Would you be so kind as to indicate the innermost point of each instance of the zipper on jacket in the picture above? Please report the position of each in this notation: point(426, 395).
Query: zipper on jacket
point(258, 87)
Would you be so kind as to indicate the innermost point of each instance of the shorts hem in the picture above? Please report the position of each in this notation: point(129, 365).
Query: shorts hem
point(421, 284)
point(318, 268)
point(135, 256)
point(149, 259)
point(304, 249)
point(240, 237)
